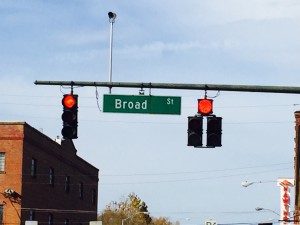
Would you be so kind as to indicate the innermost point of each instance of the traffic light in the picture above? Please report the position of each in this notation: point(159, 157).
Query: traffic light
point(214, 131)
point(205, 106)
point(70, 116)
point(195, 131)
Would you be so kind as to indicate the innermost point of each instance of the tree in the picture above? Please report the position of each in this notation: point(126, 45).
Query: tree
point(133, 211)
point(161, 221)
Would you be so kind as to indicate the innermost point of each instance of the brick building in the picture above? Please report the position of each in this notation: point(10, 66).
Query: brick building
point(43, 180)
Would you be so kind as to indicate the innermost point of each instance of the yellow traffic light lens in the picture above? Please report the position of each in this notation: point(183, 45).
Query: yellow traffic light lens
point(205, 106)
point(69, 101)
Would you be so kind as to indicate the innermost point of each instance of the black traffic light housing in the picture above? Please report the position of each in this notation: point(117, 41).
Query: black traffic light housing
point(213, 126)
point(195, 131)
point(70, 116)
point(214, 131)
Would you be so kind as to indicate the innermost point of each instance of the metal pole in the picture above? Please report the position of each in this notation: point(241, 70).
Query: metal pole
point(110, 53)
point(216, 87)
point(112, 16)
point(297, 167)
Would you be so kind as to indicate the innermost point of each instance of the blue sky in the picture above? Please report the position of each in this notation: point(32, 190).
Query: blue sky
point(203, 42)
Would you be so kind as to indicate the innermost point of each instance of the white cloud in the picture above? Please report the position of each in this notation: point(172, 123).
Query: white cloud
point(203, 13)
point(81, 37)
point(153, 49)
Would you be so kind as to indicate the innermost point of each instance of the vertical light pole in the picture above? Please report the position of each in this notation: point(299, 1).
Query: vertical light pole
point(297, 167)
point(112, 16)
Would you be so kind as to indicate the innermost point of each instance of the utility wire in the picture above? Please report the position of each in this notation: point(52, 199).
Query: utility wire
point(194, 179)
point(195, 172)
point(97, 99)
point(161, 173)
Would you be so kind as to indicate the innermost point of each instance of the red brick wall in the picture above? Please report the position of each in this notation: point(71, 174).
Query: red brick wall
point(11, 143)
point(37, 193)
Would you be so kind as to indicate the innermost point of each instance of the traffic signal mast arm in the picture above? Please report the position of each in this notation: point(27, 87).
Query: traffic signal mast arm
point(217, 87)
point(214, 125)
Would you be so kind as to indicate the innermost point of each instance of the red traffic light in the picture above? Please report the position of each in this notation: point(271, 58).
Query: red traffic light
point(205, 106)
point(69, 116)
point(69, 101)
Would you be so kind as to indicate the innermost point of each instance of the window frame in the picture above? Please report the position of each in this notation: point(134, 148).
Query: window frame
point(67, 184)
point(33, 167)
point(1, 214)
point(2, 162)
point(51, 176)
point(31, 215)
point(94, 196)
point(66, 221)
point(80, 190)
point(50, 219)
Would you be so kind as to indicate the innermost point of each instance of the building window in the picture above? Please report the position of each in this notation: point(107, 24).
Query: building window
point(1, 213)
point(67, 184)
point(50, 219)
point(94, 196)
point(31, 215)
point(81, 190)
point(33, 167)
point(2, 162)
point(66, 222)
point(51, 176)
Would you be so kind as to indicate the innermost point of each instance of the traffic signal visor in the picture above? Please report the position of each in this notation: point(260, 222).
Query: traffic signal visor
point(205, 106)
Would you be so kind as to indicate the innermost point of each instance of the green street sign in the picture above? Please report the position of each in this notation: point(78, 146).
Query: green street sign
point(142, 104)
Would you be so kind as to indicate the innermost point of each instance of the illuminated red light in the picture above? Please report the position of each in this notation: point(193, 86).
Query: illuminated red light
point(69, 101)
point(205, 106)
